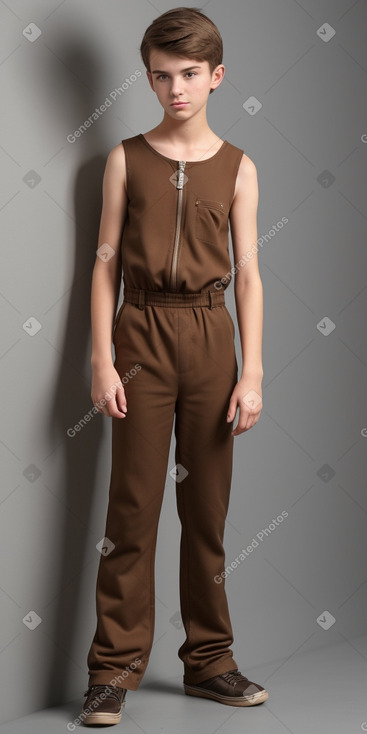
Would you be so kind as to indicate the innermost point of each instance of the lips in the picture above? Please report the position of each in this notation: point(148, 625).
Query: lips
point(176, 104)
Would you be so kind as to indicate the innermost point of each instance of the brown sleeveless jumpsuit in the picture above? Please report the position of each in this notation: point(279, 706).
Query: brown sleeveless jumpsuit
point(175, 354)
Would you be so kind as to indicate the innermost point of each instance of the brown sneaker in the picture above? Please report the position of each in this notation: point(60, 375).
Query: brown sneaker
point(104, 705)
point(231, 688)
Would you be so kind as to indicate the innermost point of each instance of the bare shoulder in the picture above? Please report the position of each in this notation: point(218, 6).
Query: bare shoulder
point(246, 181)
point(116, 157)
point(247, 168)
point(115, 170)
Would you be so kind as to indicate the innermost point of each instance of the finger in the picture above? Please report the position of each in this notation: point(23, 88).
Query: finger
point(103, 407)
point(231, 410)
point(243, 420)
point(121, 400)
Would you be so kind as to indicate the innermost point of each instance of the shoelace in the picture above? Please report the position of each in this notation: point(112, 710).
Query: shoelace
point(114, 692)
point(233, 676)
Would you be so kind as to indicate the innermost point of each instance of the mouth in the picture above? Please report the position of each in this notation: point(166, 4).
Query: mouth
point(178, 104)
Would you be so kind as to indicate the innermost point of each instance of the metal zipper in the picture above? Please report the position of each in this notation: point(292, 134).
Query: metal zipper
point(179, 186)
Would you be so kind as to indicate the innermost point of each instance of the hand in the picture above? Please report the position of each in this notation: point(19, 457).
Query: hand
point(108, 393)
point(247, 394)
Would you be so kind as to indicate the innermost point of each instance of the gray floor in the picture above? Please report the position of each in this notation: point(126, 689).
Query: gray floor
point(322, 691)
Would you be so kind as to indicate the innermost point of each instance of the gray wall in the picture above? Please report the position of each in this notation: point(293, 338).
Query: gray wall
point(307, 455)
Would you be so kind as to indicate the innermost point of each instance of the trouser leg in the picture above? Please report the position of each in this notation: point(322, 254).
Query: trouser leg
point(204, 447)
point(140, 450)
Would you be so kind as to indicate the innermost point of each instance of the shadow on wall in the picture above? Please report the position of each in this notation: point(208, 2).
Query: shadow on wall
point(78, 454)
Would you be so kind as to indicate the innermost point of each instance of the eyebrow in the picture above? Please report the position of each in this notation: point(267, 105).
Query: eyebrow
point(158, 71)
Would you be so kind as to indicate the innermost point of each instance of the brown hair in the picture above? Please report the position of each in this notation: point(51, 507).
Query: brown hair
point(185, 32)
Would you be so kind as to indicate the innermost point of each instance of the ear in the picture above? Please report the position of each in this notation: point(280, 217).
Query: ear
point(217, 76)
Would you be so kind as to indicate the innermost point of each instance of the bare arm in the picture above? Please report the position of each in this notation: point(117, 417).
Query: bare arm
point(249, 295)
point(247, 284)
point(106, 281)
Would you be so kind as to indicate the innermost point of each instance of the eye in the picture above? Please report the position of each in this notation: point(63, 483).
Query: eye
point(194, 73)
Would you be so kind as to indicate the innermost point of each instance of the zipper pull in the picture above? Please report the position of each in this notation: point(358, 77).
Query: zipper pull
point(180, 174)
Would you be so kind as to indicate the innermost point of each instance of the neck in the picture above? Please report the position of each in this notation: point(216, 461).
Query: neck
point(185, 133)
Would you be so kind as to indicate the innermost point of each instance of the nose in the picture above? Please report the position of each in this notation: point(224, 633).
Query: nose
point(176, 87)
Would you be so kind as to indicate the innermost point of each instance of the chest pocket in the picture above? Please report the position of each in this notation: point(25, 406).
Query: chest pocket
point(211, 220)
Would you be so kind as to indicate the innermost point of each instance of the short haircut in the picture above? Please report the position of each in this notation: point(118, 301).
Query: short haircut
point(185, 32)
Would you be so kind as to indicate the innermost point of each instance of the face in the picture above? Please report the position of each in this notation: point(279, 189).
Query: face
point(176, 79)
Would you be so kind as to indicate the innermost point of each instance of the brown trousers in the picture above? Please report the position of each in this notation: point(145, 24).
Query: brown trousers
point(176, 357)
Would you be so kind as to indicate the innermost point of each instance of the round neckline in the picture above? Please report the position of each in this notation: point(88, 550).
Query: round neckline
point(175, 160)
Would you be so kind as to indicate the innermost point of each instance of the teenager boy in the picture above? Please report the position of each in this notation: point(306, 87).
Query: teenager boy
point(171, 193)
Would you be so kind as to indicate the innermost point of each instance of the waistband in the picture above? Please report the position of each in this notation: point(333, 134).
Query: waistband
point(168, 298)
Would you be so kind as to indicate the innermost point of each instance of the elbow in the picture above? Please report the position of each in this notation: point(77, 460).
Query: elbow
point(244, 281)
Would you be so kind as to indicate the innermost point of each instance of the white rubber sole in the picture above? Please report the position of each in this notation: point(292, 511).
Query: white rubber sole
point(250, 700)
point(102, 718)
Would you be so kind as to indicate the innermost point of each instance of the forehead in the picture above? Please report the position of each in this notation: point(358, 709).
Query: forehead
point(163, 61)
